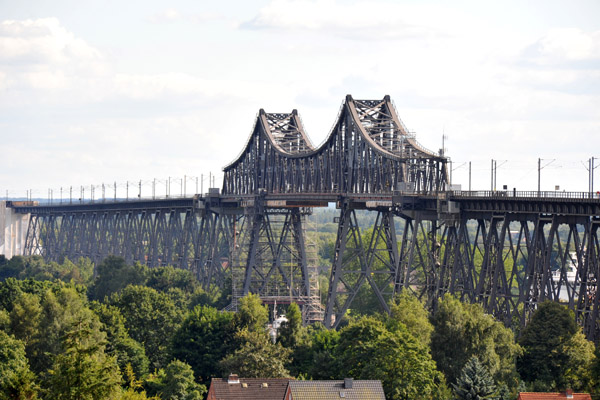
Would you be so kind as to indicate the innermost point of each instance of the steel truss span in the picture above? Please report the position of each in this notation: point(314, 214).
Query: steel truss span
point(177, 235)
point(505, 250)
point(369, 150)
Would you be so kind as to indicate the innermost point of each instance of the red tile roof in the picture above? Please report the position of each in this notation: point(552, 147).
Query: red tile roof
point(248, 388)
point(552, 396)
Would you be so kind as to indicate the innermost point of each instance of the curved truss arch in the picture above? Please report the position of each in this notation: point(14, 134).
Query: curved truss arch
point(369, 150)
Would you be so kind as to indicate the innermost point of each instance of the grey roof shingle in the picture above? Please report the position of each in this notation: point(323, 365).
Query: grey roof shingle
point(249, 388)
point(334, 390)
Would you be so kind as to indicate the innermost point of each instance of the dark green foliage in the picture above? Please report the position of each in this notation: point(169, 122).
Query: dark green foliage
point(408, 310)
point(25, 319)
point(367, 350)
point(204, 338)
point(211, 298)
point(12, 288)
point(118, 342)
point(176, 382)
point(549, 344)
point(34, 267)
point(81, 370)
point(251, 314)
point(16, 379)
point(551, 326)
point(151, 318)
point(256, 356)
point(462, 330)
point(4, 320)
point(475, 382)
point(43, 324)
point(10, 269)
point(113, 275)
point(165, 278)
point(315, 355)
point(289, 332)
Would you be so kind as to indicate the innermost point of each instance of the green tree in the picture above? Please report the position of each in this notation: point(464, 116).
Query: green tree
point(58, 312)
point(289, 332)
point(408, 310)
point(134, 387)
point(34, 267)
point(544, 342)
point(113, 275)
point(4, 320)
point(251, 314)
point(151, 318)
point(176, 382)
point(25, 318)
point(204, 338)
point(316, 356)
point(462, 330)
point(12, 288)
point(475, 382)
point(165, 278)
point(257, 356)
point(578, 363)
point(367, 350)
point(119, 344)
point(16, 379)
point(82, 370)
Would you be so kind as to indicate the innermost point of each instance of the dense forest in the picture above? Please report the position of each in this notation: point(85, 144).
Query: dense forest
point(130, 332)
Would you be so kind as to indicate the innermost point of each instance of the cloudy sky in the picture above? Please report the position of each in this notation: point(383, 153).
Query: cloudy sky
point(95, 92)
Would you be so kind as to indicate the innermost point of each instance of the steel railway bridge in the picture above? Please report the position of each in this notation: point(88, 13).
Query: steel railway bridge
point(505, 250)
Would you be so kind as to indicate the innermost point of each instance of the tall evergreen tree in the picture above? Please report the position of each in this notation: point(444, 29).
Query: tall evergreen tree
point(475, 382)
point(16, 379)
point(82, 370)
point(119, 344)
point(290, 330)
point(545, 343)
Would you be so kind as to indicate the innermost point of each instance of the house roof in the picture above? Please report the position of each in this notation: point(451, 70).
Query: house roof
point(334, 390)
point(249, 388)
point(552, 396)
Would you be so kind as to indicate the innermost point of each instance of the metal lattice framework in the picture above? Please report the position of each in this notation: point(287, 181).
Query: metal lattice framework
point(506, 261)
point(505, 250)
point(156, 233)
point(368, 151)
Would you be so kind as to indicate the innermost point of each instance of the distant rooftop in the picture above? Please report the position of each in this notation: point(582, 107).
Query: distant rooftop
point(348, 389)
point(234, 388)
point(553, 396)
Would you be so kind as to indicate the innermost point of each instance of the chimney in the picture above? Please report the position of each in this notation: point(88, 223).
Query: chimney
point(569, 393)
point(348, 383)
point(233, 378)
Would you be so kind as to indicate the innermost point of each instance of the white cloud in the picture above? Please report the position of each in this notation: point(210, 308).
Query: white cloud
point(172, 15)
point(565, 47)
point(31, 42)
point(42, 54)
point(168, 15)
point(368, 20)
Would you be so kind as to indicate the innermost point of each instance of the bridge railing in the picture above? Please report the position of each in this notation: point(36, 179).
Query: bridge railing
point(87, 201)
point(527, 194)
